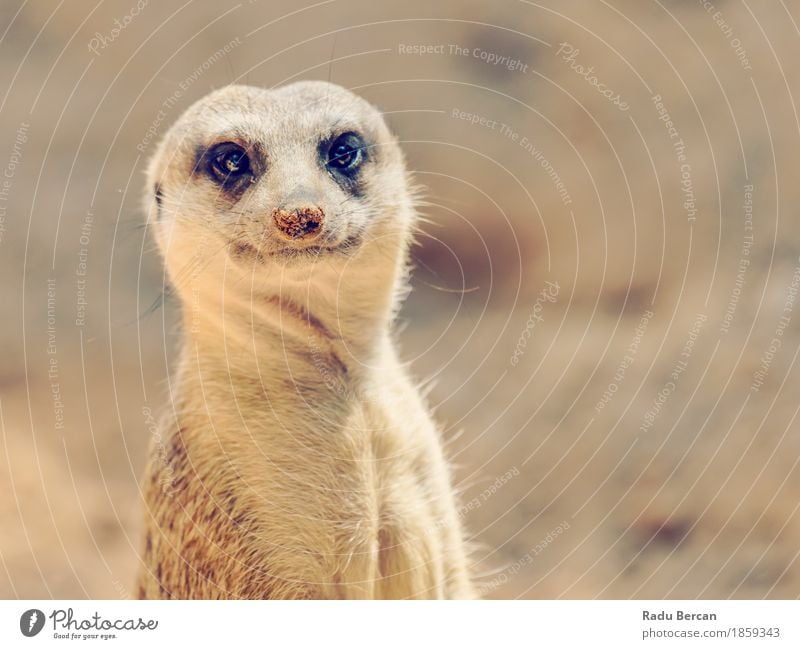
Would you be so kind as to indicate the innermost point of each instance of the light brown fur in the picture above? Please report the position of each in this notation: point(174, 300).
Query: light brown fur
point(298, 459)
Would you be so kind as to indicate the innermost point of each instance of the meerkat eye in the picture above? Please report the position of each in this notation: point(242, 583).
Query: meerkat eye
point(346, 153)
point(228, 161)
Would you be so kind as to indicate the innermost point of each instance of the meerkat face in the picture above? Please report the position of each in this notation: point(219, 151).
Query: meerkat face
point(285, 177)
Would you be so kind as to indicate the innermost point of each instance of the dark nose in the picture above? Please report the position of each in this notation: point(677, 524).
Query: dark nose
point(299, 222)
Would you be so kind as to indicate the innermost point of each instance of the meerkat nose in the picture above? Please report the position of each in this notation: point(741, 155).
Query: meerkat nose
point(303, 222)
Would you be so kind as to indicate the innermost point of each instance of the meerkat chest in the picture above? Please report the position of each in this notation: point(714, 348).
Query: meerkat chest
point(398, 545)
point(362, 515)
point(353, 505)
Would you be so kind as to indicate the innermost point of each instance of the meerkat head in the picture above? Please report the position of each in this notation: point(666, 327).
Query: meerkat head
point(302, 183)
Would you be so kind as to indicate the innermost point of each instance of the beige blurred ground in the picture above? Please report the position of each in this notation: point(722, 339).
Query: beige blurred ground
point(562, 500)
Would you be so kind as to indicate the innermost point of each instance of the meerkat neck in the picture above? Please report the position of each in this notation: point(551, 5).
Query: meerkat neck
point(340, 312)
point(279, 352)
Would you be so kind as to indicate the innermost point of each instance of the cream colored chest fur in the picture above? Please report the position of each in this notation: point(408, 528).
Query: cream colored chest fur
point(346, 497)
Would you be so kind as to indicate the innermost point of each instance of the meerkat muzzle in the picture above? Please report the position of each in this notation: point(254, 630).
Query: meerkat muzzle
point(299, 223)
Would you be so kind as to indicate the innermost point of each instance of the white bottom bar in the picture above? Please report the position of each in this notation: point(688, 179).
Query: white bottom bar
point(350, 625)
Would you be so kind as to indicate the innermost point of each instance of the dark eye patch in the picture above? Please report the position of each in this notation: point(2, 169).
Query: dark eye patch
point(346, 153)
point(159, 194)
point(227, 162)
point(344, 156)
point(232, 165)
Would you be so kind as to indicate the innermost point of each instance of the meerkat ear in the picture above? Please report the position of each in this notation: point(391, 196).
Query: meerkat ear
point(152, 199)
point(158, 196)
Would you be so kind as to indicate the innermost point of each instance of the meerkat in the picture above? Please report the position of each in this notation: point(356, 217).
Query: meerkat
point(297, 459)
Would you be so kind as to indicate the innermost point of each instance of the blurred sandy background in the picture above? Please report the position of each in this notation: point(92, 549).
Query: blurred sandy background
point(666, 254)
